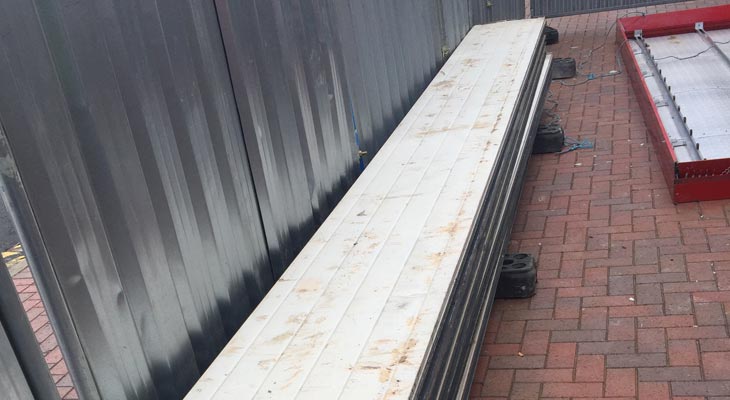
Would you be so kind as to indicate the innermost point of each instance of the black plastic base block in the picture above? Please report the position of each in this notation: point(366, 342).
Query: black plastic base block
point(551, 35)
point(563, 68)
point(518, 279)
point(549, 139)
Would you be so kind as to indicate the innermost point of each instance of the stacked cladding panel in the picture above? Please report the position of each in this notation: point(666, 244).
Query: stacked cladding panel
point(391, 296)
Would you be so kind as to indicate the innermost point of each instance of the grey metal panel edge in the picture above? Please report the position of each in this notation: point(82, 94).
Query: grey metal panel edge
point(452, 361)
point(13, 383)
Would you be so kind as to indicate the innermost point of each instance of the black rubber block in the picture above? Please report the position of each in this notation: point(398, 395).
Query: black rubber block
point(549, 139)
point(563, 68)
point(518, 279)
point(551, 35)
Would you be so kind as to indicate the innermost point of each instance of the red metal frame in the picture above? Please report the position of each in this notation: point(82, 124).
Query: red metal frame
point(688, 181)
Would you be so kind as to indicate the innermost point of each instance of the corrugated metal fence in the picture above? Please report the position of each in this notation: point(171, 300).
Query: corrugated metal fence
point(295, 113)
point(557, 8)
point(122, 122)
point(166, 159)
point(496, 10)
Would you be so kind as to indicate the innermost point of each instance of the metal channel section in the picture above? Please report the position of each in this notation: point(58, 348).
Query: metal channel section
point(355, 314)
point(695, 69)
point(713, 42)
point(24, 374)
point(675, 125)
point(559, 8)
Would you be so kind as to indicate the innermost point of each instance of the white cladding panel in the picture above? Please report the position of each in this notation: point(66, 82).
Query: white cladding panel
point(353, 315)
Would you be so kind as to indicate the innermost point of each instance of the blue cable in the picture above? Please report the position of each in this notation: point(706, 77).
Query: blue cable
point(575, 144)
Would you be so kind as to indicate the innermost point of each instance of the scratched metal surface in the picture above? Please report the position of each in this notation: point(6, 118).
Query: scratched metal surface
point(701, 86)
point(353, 315)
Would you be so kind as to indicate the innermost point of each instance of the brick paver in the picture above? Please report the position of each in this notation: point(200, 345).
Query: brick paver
point(633, 295)
point(28, 293)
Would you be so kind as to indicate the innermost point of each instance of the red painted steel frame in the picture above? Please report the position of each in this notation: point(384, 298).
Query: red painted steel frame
point(688, 181)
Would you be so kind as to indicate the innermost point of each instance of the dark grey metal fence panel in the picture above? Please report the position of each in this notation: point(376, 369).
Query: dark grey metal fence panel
point(557, 8)
point(485, 11)
point(295, 113)
point(456, 22)
point(19, 207)
point(395, 59)
point(301, 71)
point(23, 371)
point(123, 125)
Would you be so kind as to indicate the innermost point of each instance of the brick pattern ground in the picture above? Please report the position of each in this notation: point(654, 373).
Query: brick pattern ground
point(633, 298)
point(28, 293)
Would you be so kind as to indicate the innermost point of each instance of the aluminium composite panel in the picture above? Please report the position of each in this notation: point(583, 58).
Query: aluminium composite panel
point(353, 315)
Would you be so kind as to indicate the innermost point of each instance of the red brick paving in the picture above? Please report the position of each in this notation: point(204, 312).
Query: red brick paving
point(44, 333)
point(633, 296)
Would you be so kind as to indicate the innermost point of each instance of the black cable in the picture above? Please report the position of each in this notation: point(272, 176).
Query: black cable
point(585, 59)
point(618, 70)
point(610, 28)
point(692, 56)
point(550, 112)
